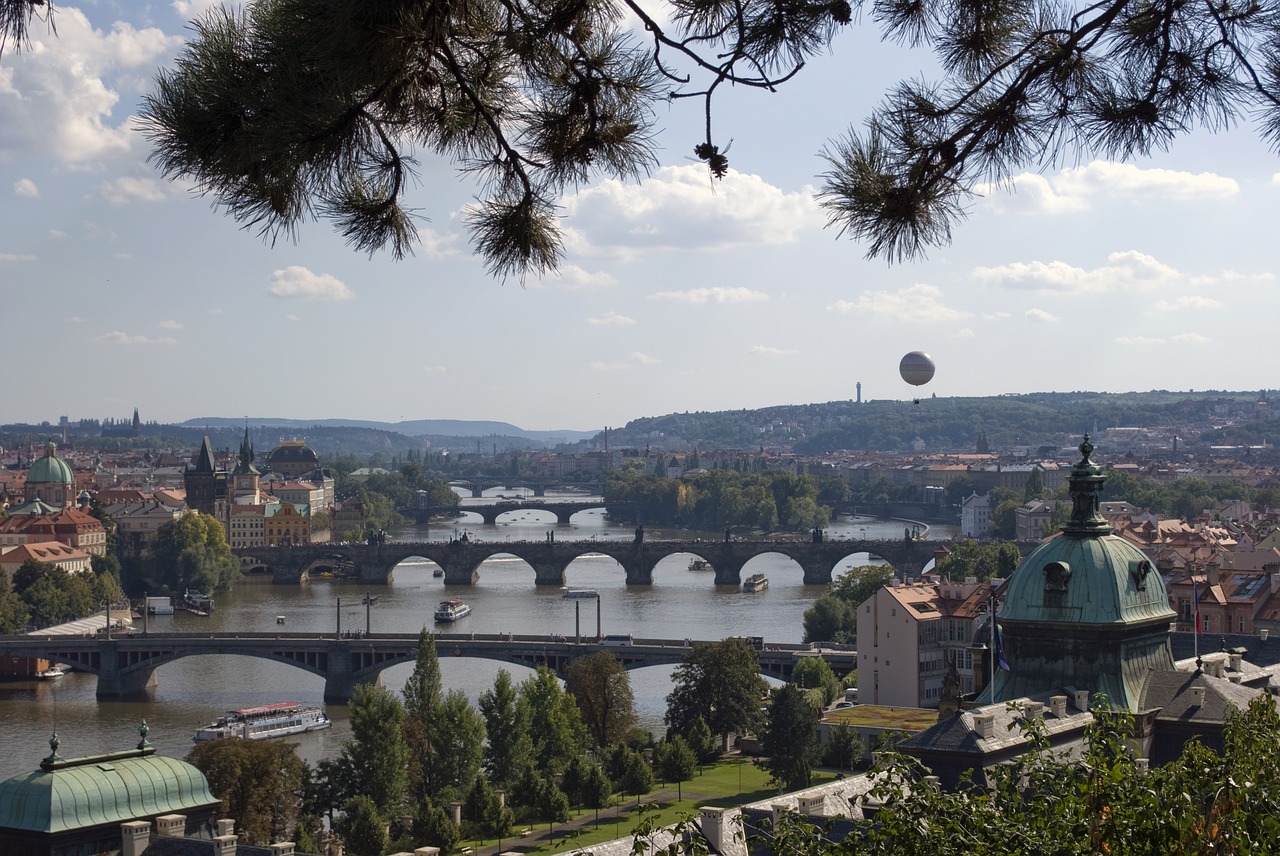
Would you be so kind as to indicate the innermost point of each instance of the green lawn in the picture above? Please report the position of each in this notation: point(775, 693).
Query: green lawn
point(727, 783)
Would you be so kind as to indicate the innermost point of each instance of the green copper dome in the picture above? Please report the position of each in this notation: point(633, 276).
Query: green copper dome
point(107, 789)
point(50, 469)
point(1086, 610)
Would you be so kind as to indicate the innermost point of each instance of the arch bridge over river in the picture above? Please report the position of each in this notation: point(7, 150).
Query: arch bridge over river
point(126, 665)
point(460, 560)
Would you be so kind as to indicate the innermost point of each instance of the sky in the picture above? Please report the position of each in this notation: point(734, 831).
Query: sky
point(119, 289)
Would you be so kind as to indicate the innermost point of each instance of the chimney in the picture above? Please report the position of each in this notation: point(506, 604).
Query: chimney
point(1235, 679)
point(1033, 710)
point(1197, 696)
point(1144, 764)
point(712, 823)
point(135, 836)
point(983, 725)
point(225, 845)
point(1236, 661)
point(1058, 706)
point(435, 851)
point(1264, 633)
point(171, 825)
point(810, 806)
point(283, 848)
point(777, 810)
point(1211, 572)
point(1275, 583)
point(1082, 700)
point(226, 826)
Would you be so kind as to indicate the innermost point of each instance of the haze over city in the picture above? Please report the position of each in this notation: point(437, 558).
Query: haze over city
point(122, 290)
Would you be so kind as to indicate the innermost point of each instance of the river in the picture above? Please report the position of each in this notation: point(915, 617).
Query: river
point(193, 691)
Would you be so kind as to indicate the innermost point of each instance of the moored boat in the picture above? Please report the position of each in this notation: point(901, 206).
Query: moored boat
point(54, 671)
point(270, 720)
point(452, 610)
point(755, 582)
point(700, 565)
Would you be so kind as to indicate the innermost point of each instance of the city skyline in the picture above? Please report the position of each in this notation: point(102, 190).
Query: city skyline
point(675, 294)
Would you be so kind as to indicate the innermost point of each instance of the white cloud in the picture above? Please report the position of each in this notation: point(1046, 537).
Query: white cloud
point(1041, 316)
point(118, 337)
point(1192, 302)
point(25, 187)
point(996, 316)
point(289, 316)
point(611, 319)
point(963, 333)
point(75, 319)
point(916, 303)
point(1071, 190)
point(636, 359)
point(703, 296)
point(296, 281)
point(171, 325)
point(1275, 180)
point(1139, 340)
point(769, 351)
point(434, 369)
point(679, 207)
point(1190, 339)
point(58, 99)
point(574, 278)
point(1124, 271)
point(439, 245)
point(123, 190)
point(17, 257)
point(58, 234)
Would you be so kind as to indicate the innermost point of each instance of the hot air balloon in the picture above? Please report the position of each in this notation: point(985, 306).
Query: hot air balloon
point(916, 368)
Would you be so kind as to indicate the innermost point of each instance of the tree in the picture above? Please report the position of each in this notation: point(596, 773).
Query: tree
point(675, 762)
point(432, 826)
point(790, 741)
point(375, 756)
point(191, 552)
point(596, 790)
point(51, 595)
point(831, 619)
point(702, 741)
point(554, 723)
point(260, 782)
point(983, 561)
point(602, 690)
point(459, 742)
point(509, 748)
point(13, 610)
point(422, 708)
point(719, 682)
point(637, 775)
point(362, 827)
point(815, 673)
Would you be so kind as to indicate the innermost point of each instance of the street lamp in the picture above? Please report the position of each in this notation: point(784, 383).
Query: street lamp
point(578, 596)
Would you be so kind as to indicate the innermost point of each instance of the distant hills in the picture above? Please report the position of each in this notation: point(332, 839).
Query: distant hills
point(430, 428)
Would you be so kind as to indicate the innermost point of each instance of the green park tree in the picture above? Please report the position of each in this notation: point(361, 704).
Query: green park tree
point(675, 761)
point(422, 695)
point(815, 673)
point(433, 827)
point(375, 757)
point(459, 742)
point(720, 683)
point(790, 741)
point(509, 748)
point(191, 552)
point(362, 827)
point(635, 775)
point(602, 690)
point(983, 560)
point(260, 783)
point(833, 616)
point(14, 612)
point(554, 722)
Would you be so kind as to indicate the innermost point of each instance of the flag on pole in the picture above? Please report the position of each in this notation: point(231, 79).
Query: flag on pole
point(996, 645)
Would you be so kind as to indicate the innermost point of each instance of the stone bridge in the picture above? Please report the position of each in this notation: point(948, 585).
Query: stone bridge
point(374, 564)
point(563, 509)
point(126, 665)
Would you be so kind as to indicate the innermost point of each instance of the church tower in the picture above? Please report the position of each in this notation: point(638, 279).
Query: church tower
point(1086, 610)
point(206, 485)
point(245, 478)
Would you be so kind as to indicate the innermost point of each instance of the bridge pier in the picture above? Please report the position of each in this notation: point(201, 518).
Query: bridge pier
point(340, 678)
point(116, 681)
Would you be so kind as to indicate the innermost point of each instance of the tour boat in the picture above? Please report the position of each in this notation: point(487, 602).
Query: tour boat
point(700, 565)
point(269, 720)
point(452, 610)
point(54, 671)
point(755, 582)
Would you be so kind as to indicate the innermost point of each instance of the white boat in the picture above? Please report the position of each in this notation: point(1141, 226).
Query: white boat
point(269, 720)
point(452, 610)
point(700, 565)
point(755, 582)
point(54, 671)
